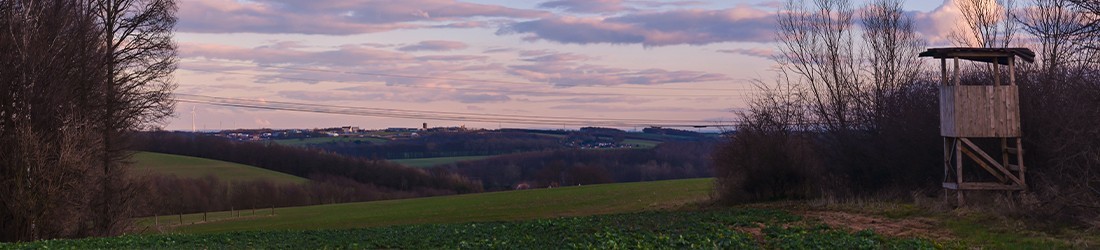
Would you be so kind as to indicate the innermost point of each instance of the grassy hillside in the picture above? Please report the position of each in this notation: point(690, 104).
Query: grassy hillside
point(641, 143)
point(428, 162)
point(193, 167)
point(498, 206)
point(613, 216)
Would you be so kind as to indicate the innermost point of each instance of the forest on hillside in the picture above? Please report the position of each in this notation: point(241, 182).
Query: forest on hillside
point(567, 167)
point(333, 178)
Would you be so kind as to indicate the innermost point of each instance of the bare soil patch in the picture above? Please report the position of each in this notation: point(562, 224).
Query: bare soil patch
point(903, 228)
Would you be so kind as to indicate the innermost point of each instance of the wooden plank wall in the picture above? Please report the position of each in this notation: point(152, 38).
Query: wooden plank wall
point(979, 111)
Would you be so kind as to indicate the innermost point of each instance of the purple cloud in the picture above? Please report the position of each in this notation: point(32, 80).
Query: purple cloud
point(481, 98)
point(335, 16)
point(435, 45)
point(587, 6)
point(452, 58)
point(570, 75)
point(339, 64)
point(391, 94)
point(607, 6)
point(757, 52)
point(606, 108)
point(440, 75)
point(771, 4)
point(558, 57)
point(695, 27)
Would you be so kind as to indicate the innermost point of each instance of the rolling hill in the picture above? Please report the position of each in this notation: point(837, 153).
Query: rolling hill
point(495, 206)
point(646, 215)
point(194, 167)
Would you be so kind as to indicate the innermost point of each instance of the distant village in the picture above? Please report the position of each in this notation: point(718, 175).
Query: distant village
point(345, 131)
point(584, 138)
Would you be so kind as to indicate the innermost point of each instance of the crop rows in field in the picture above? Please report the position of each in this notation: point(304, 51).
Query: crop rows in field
point(727, 229)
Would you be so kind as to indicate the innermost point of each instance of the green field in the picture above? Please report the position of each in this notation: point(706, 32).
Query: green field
point(736, 228)
point(318, 140)
point(647, 215)
point(429, 162)
point(194, 167)
point(496, 206)
point(641, 143)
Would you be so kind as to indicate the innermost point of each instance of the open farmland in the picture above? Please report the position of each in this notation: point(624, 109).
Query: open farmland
point(641, 143)
point(194, 167)
point(727, 229)
point(496, 206)
point(664, 214)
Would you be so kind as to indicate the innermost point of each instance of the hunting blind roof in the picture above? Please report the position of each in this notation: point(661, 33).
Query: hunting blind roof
point(989, 55)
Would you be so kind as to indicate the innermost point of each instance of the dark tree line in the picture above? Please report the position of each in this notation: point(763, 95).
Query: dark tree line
point(669, 160)
point(168, 194)
point(508, 141)
point(305, 162)
point(835, 125)
point(671, 131)
point(445, 145)
point(849, 114)
point(75, 78)
point(1059, 109)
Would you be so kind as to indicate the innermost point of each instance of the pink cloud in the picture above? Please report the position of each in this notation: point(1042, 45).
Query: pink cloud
point(556, 57)
point(335, 16)
point(937, 25)
point(569, 74)
point(435, 45)
point(389, 94)
point(360, 64)
point(587, 6)
point(275, 54)
point(336, 64)
point(608, 6)
point(696, 27)
point(757, 52)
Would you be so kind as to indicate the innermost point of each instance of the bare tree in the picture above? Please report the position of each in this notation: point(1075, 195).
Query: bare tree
point(47, 77)
point(1060, 110)
point(890, 46)
point(1060, 27)
point(1090, 10)
point(140, 58)
point(816, 44)
point(986, 23)
point(843, 99)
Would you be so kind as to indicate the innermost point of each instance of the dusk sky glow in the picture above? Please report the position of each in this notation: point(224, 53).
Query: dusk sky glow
point(615, 59)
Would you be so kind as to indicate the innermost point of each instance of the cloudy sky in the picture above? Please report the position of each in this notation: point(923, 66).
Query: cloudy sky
point(590, 59)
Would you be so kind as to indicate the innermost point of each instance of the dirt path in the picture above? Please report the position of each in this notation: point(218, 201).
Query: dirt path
point(903, 228)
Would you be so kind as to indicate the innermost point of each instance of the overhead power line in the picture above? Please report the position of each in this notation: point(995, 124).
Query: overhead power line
point(441, 115)
point(619, 87)
point(536, 93)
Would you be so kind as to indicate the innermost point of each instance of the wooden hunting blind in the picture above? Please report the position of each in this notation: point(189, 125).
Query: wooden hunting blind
point(987, 111)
